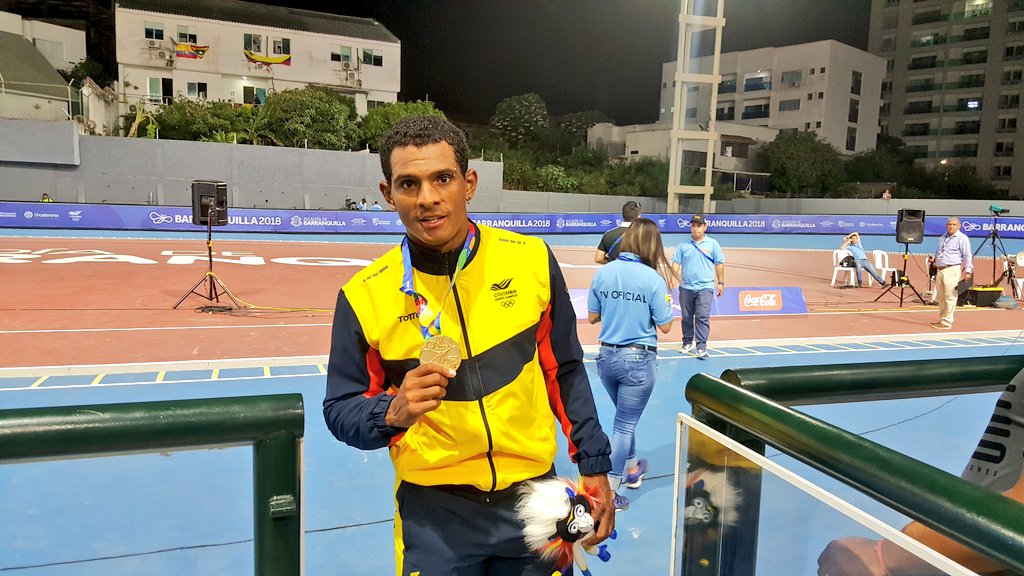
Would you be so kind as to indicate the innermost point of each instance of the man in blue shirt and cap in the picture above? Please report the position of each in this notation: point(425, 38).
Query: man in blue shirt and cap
point(701, 266)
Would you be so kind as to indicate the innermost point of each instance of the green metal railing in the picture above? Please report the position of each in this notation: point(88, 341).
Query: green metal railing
point(803, 385)
point(975, 517)
point(273, 425)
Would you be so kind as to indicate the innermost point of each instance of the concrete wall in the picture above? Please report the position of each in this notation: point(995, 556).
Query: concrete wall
point(34, 158)
point(39, 142)
point(870, 206)
point(50, 157)
point(552, 202)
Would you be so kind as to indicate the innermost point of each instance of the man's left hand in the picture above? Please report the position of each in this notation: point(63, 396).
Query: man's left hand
point(720, 287)
point(604, 516)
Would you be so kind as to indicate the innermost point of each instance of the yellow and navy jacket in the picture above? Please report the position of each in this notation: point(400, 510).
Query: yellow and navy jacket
point(521, 375)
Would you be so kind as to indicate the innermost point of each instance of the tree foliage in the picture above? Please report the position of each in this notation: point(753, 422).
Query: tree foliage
point(313, 118)
point(185, 119)
point(576, 124)
point(801, 163)
point(87, 68)
point(519, 118)
point(378, 121)
point(888, 162)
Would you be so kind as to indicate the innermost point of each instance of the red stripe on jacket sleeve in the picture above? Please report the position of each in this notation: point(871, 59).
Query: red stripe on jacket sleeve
point(375, 368)
point(550, 368)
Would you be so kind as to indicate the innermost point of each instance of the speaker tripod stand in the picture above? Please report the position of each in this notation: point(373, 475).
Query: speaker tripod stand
point(903, 282)
point(214, 287)
point(998, 247)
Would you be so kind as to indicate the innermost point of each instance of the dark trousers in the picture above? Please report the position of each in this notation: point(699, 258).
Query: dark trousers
point(461, 531)
point(695, 308)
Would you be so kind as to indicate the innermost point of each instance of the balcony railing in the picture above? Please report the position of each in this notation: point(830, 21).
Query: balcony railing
point(751, 114)
point(755, 86)
point(909, 133)
point(961, 108)
point(972, 153)
point(967, 84)
point(919, 110)
point(726, 87)
point(928, 18)
point(921, 43)
point(924, 64)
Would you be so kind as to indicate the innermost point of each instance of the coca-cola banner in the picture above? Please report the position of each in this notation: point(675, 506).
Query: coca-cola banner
point(733, 302)
point(760, 300)
point(179, 218)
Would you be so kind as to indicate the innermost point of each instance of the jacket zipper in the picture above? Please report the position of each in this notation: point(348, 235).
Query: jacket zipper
point(476, 383)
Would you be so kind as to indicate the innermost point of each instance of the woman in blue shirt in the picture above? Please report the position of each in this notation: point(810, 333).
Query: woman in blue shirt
point(630, 298)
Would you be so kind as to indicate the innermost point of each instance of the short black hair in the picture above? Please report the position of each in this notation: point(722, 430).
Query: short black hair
point(630, 210)
point(422, 131)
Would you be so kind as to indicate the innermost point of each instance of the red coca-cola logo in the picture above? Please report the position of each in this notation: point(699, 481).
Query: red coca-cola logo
point(760, 300)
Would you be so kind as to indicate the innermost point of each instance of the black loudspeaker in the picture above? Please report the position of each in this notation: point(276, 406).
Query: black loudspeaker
point(207, 194)
point(910, 226)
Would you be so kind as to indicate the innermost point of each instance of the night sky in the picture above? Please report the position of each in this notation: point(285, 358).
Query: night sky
point(467, 55)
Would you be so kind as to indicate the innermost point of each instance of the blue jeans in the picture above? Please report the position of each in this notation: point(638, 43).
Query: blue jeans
point(628, 376)
point(865, 264)
point(696, 315)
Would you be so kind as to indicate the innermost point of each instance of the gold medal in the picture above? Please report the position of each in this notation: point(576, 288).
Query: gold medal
point(441, 350)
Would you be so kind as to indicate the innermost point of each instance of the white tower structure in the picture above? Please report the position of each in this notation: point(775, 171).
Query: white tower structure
point(700, 22)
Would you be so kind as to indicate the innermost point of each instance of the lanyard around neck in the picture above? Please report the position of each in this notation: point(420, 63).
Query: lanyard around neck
point(408, 287)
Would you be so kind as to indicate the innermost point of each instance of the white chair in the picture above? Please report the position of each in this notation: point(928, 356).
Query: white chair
point(851, 273)
point(881, 262)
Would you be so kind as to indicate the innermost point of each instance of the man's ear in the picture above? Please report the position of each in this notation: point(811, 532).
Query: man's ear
point(385, 190)
point(471, 181)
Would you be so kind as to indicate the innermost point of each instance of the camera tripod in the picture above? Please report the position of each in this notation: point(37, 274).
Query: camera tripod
point(997, 246)
point(903, 282)
point(214, 287)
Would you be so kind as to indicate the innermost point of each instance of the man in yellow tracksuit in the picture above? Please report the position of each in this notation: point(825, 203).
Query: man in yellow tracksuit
point(462, 441)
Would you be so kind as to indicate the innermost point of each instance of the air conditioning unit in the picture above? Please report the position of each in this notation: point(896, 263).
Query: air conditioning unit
point(152, 43)
point(351, 75)
point(133, 108)
point(163, 55)
point(346, 65)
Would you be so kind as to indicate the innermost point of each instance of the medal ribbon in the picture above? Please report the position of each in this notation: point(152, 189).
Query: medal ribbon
point(409, 288)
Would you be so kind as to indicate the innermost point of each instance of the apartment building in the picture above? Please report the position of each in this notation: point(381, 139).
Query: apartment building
point(953, 85)
point(31, 52)
point(239, 52)
point(826, 87)
point(62, 47)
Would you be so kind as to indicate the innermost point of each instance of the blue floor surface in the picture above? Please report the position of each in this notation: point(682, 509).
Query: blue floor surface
point(191, 512)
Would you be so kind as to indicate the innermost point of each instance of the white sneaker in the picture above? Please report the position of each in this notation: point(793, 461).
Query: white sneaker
point(703, 354)
point(687, 348)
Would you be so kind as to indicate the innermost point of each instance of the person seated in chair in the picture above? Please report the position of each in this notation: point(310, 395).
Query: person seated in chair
point(851, 242)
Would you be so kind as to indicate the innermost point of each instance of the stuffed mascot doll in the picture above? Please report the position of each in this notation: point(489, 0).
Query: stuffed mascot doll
point(556, 515)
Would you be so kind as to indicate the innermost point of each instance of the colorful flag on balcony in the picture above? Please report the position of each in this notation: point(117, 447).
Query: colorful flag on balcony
point(261, 59)
point(190, 50)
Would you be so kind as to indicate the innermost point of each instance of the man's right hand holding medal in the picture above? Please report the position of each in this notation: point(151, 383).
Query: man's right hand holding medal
point(422, 390)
